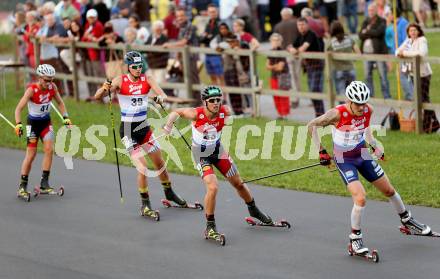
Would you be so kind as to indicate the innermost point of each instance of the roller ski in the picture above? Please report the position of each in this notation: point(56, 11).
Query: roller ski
point(278, 224)
point(411, 226)
point(212, 234)
point(23, 194)
point(38, 190)
point(146, 211)
point(174, 200)
point(260, 219)
point(356, 248)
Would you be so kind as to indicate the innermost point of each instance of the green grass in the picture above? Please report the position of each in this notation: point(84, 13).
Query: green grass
point(412, 165)
point(7, 45)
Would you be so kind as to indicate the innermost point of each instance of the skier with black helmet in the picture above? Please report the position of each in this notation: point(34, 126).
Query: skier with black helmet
point(135, 131)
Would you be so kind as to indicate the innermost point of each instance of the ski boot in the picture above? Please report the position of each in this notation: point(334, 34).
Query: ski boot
point(356, 248)
point(22, 193)
point(255, 212)
point(211, 233)
point(411, 226)
point(146, 211)
point(173, 197)
point(174, 200)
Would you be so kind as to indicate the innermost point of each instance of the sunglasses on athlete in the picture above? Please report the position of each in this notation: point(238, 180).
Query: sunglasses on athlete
point(136, 66)
point(214, 100)
point(47, 79)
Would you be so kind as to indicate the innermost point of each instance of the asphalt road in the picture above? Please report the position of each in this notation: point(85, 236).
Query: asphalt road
point(89, 234)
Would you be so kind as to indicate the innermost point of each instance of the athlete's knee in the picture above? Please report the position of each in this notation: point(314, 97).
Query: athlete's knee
point(360, 200)
point(212, 187)
point(389, 192)
point(239, 185)
point(48, 149)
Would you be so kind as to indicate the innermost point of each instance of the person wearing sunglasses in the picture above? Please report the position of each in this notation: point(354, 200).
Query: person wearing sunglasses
point(135, 131)
point(350, 134)
point(207, 124)
point(38, 97)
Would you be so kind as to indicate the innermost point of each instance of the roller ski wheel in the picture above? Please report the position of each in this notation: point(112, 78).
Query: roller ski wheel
point(217, 237)
point(278, 224)
point(195, 205)
point(407, 231)
point(373, 256)
point(51, 192)
point(24, 195)
point(152, 214)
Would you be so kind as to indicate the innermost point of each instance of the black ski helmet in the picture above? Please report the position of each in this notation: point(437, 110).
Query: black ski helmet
point(133, 57)
point(211, 91)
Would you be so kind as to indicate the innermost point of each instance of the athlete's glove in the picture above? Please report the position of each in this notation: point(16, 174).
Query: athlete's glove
point(107, 85)
point(324, 158)
point(19, 129)
point(378, 153)
point(67, 121)
point(159, 99)
point(167, 130)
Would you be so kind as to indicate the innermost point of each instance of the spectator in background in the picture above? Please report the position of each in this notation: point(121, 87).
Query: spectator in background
point(417, 7)
point(417, 45)
point(218, 42)
point(49, 52)
point(130, 36)
point(69, 11)
point(316, 25)
point(19, 28)
point(343, 71)
point(434, 13)
point(297, 6)
point(47, 8)
point(74, 33)
point(141, 8)
point(238, 27)
point(263, 12)
point(93, 32)
point(382, 8)
point(372, 36)
point(228, 10)
point(308, 41)
point(102, 11)
point(171, 26)
point(236, 71)
point(157, 61)
point(288, 30)
point(213, 63)
point(31, 29)
point(123, 8)
point(329, 12)
point(142, 32)
point(85, 5)
point(119, 23)
point(280, 77)
point(390, 41)
point(187, 37)
point(350, 11)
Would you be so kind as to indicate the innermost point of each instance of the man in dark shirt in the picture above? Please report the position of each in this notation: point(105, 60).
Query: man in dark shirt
point(187, 37)
point(213, 63)
point(372, 36)
point(308, 41)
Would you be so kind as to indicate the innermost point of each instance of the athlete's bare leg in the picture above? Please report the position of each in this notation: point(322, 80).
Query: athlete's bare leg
point(48, 155)
point(211, 184)
point(241, 188)
point(26, 166)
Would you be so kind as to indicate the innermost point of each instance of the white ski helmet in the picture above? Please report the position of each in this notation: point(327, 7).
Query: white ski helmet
point(357, 92)
point(45, 70)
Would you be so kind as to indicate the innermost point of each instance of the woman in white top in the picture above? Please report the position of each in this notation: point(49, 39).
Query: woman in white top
point(417, 45)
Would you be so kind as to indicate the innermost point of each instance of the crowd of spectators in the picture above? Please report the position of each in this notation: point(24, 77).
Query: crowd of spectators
point(293, 26)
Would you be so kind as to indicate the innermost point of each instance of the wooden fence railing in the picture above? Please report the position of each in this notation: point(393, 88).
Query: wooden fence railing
point(255, 89)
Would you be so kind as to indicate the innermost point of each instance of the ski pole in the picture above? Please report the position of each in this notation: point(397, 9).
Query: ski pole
point(114, 141)
point(56, 110)
point(184, 139)
point(156, 138)
point(7, 121)
point(283, 172)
